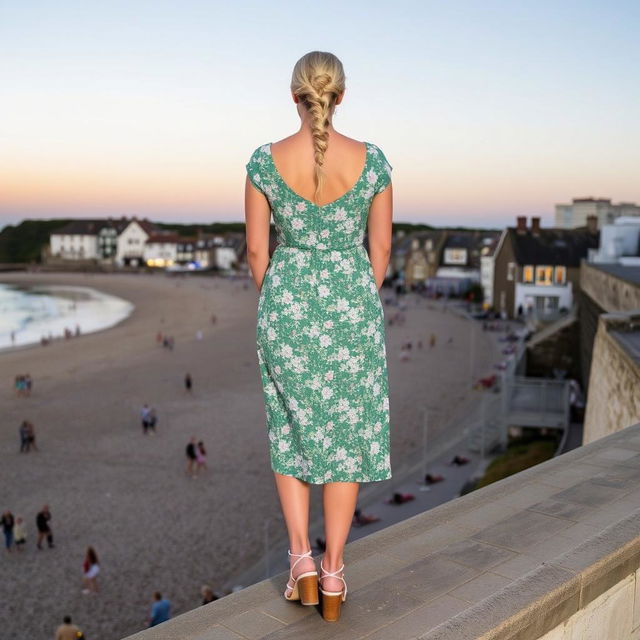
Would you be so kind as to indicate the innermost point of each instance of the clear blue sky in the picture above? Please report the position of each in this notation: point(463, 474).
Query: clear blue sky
point(486, 110)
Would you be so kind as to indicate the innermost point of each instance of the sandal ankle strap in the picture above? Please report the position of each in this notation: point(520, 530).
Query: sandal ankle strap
point(306, 554)
point(331, 573)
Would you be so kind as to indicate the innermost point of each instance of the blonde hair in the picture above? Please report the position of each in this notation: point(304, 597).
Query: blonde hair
point(317, 80)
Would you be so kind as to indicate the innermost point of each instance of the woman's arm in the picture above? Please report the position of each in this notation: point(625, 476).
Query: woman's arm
point(258, 219)
point(379, 231)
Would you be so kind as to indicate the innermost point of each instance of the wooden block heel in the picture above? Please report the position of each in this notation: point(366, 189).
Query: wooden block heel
point(305, 586)
point(308, 588)
point(332, 600)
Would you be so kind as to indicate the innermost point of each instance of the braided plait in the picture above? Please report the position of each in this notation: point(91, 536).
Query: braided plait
point(318, 80)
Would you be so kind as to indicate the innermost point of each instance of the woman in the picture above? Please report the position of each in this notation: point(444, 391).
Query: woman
point(320, 325)
point(91, 569)
point(19, 534)
point(201, 457)
point(7, 522)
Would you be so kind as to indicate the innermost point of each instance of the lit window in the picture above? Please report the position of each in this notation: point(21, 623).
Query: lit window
point(561, 275)
point(544, 275)
point(527, 274)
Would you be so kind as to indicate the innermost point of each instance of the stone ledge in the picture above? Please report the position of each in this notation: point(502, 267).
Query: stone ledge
point(512, 560)
point(542, 599)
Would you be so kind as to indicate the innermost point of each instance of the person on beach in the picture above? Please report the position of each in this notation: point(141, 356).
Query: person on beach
point(7, 522)
point(160, 610)
point(153, 420)
point(31, 431)
point(44, 528)
point(207, 594)
point(188, 383)
point(25, 440)
point(19, 534)
point(201, 457)
point(191, 456)
point(68, 631)
point(144, 414)
point(90, 571)
point(320, 320)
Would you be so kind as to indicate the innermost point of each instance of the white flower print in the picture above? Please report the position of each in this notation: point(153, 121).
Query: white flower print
point(325, 340)
point(320, 332)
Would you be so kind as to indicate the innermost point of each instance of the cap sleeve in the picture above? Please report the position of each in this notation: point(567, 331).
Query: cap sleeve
point(382, 168)
point(256, 169)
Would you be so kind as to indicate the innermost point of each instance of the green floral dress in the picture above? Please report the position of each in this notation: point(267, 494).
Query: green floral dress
point(321, 332)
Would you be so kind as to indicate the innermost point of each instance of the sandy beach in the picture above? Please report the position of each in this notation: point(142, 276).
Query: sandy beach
point(127, 494)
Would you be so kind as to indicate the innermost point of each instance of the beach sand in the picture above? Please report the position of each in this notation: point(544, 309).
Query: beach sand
point(127, 494)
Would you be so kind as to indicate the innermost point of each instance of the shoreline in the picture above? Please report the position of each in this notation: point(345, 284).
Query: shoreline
point(51, 323)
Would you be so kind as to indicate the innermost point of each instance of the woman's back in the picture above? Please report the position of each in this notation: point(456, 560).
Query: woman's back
point(344, 160)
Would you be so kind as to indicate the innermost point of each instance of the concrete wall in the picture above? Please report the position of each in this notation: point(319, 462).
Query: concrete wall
point(613, 615)
point(607, 291)
point(614, 383)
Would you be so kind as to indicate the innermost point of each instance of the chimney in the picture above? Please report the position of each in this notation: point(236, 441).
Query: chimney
point(521, 224)
point(535, 225)
point(592, 224)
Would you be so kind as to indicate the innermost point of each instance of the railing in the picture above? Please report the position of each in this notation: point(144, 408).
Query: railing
point(534, 402)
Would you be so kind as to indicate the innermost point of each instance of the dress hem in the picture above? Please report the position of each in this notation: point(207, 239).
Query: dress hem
point(311, 480)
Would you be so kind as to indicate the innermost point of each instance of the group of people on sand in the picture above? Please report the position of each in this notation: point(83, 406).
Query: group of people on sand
point(196, 457)
point(23, 384)
point(15, 530)
point(165, 341)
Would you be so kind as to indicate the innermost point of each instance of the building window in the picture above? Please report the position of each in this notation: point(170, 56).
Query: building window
point(511, 271)
point(527, 274)
point(561, 275)
point(544, 275)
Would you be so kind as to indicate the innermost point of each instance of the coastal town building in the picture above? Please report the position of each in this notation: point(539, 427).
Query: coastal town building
point(574, 215)
point(619, 243)
point(487, 270)
point(443, 261)
point(116, 240)
point(85, 240)
point(131, 242)
point(161, 250)
point(537, 269)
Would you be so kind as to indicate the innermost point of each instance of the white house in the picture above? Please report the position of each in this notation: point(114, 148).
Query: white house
point(161, 250)
point(77, 240)
point(132, 240)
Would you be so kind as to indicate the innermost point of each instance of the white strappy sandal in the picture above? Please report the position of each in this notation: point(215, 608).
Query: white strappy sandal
point(331, 600)
point(305, 586)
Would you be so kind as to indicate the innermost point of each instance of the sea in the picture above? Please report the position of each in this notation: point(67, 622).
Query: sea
point(29, 314)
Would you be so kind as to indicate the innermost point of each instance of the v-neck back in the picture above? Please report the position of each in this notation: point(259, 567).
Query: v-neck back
point(310, 202)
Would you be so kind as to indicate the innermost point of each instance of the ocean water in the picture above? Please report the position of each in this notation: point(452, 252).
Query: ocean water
point(29, 313)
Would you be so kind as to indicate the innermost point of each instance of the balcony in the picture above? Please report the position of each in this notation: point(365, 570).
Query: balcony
point(540, 554)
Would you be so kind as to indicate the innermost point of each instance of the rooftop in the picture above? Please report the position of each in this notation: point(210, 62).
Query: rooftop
point(628, 273)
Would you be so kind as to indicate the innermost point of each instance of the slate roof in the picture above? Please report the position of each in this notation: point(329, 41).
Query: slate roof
point(81, 228)
point(92, 226)
point(552, 246)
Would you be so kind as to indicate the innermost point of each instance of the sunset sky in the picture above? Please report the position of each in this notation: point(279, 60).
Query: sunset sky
point(486, 110)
